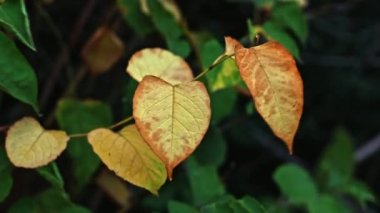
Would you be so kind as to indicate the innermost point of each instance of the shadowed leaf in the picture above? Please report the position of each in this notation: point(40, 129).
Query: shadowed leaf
point(103, 50)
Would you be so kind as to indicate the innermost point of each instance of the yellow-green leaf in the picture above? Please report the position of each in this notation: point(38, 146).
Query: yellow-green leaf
point(160, 63)
point(29, 145)
point(272, 77)
point(171, 119)
point(127, 154)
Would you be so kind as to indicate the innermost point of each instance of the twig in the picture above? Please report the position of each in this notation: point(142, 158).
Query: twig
point(65, 52)
point(121, 122)
point(218, 61)
point(368, 149)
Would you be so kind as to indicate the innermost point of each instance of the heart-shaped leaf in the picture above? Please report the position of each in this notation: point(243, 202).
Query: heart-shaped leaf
point(171, 119)
point(272, 77)
point(29, 145)
point(127, 154)
point(160, 63)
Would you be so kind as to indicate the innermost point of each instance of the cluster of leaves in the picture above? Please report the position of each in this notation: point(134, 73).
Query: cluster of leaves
point(171, 108)
point(172, 113)
point(334, 182)
point(331, 191)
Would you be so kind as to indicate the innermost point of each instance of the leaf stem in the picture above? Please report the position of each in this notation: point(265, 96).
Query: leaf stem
point(121, 122)
point(218, 61)
point(80, 135)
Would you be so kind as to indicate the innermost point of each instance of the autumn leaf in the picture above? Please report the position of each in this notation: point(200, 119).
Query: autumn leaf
point(230, 45)
point(29, 145)
point(171, 119)
point(127, 154)
point(102, 51)
point(273, 79)
point(160, 63)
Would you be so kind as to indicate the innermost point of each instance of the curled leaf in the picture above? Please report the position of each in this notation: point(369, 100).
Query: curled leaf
point(160, 63)
point(171, 119)
point(272, 77)
point(29, 145)
point(231, 44)
point(127, 154)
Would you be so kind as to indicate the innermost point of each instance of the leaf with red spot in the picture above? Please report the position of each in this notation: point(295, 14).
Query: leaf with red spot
point(272, 77)
point(171, 118)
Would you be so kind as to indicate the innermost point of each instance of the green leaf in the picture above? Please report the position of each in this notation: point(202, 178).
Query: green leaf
point(133, 14)
point(247, 205)
point(52, 175)
point(222, 103)
point(229, 204)
point(6, 180)
point(222, 76)
point(178, 188)
point(81, 117)
point(336, 165)
point(25, 204)
point(221, 205)
point(176, 206)
point(275, 32)
point(17, 77)
point(326, 204)
point(50, 200)
point(204, 182)
point(213, 149)
point(295, 183)
point(128, 93)
point(360, 192)
point(210, 50)
point(166, 24)
point(179, 46)
point(290, 15)
point(14, 16)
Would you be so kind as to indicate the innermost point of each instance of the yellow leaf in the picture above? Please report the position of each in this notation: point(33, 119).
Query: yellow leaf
point(160, 63)
point(29, 145)
point(127, 154)
point(272, 77)
point(103, 50)
point(171, 119)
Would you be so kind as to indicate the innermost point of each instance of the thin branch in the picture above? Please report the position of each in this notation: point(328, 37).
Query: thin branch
point(368, 149)
point(63, 57)
point(218, 61)
point(121, 122)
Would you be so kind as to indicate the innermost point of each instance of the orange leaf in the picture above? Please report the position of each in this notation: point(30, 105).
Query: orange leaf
point(102, 51)
point(273, 79)
point(171, 119)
